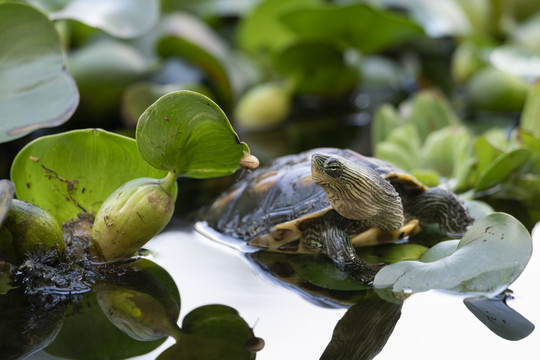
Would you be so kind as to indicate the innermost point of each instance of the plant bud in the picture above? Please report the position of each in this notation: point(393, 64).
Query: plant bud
point(131, 216)
point(31, 228)
point(263, 106)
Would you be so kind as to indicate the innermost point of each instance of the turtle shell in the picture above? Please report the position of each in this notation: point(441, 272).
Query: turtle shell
point(275, 202)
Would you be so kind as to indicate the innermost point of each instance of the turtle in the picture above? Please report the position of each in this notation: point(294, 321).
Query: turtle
point(332, 200)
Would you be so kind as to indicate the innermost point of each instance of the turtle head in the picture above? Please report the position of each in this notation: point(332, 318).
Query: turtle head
point(357, 192)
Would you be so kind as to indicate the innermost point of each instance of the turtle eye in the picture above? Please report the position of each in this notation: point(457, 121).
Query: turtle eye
point(333, 167)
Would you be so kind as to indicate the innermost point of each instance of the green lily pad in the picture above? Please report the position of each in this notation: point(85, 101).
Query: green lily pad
point(36, 90)
point(187, 133)
point(320, 271)
point(120, 18)
point(489, 257)
point(72, 172)
point(392, 253)
point(213, 332)
point(7, 191)
point(352, 26)
point(502, 167)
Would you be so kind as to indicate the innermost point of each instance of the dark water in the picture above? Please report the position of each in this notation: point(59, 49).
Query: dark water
point(432, 325)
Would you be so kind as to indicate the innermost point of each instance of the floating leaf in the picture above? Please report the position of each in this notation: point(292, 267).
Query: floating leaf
point(76, 171)
point(502, 167)
point(213, 332)
point(36, 89)
point(320, 271)
point(352, 26)
point(399, 252)
point(7, 191)
point(187, 133)
point(491, 255)
point(120, 18)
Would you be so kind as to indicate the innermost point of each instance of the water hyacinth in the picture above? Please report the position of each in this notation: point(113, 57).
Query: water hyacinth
point(130, 217)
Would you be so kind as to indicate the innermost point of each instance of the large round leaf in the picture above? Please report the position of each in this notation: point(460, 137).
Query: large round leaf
point(188, 134)
point(35, 89)
point(490, 256)
point(75, 171)
point(120, 18)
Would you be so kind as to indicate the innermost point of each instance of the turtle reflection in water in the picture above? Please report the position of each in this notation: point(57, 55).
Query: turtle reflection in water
point(331, 200)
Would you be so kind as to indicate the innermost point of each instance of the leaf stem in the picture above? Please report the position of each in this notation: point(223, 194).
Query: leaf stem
point(176, 333)
point(168, 182)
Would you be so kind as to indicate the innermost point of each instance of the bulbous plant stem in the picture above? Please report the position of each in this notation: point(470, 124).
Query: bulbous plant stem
point(167, 183)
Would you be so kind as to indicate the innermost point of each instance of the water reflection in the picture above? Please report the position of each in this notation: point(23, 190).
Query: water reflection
point(296, 322)
point(439, 311)
point(499, 317)
point(363, 331)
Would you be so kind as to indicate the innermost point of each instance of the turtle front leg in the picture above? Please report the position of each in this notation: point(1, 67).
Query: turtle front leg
point(437, 205)
point(339, 248)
